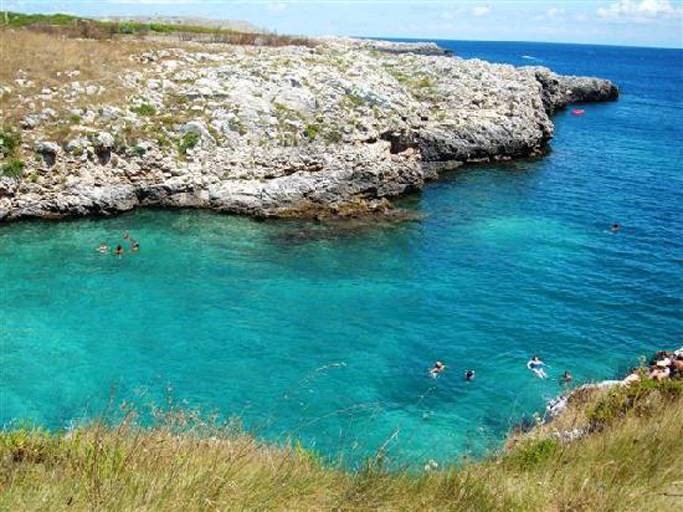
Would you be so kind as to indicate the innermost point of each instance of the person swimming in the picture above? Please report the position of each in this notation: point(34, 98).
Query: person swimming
point(615, 228)
point(437, 369)
point(118, 251)
point(536, 365)
point(469, 375)
point(103, 248)
point(135, 247)
point(567, 377)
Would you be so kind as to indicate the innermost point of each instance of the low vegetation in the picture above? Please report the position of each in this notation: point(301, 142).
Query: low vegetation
point(187, 142)
point(632, 460)
point(14, 168)
point(58, 70)
point(42, 61)
point(78, 27)
point(9, 142)
point(144, 110)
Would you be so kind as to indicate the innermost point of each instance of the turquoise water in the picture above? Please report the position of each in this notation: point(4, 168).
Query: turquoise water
point(324, 333)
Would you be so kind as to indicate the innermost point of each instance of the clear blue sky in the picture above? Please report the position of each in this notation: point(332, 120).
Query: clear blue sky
point(621, 22)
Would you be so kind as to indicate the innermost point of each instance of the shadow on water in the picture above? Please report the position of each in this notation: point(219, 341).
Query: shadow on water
point(285, 233)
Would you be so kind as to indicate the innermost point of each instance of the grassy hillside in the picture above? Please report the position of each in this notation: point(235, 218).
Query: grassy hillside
point(79, 27)
point(15, 19)
point(630, 459)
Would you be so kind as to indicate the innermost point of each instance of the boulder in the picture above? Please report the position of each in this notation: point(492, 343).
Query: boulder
point(48, 150)
point(104, 141)
point(200, 128)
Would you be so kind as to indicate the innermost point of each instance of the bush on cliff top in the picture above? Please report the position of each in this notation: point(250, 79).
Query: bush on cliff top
point(12, 169)
point(9, 142)
point(187, 142)
point(637, 398)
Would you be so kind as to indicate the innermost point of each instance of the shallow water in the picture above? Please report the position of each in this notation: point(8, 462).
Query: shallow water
point(324, 333)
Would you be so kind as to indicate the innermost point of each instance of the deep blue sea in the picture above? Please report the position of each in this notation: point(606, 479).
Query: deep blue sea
point(324, 333)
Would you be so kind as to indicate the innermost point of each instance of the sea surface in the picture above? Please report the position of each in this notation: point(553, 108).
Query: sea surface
point(323, 334)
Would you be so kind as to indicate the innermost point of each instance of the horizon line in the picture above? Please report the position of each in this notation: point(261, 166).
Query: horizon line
point(385, 37)
point(568, 43)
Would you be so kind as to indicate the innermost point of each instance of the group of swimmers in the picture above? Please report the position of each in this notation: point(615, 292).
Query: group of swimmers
point(534, 364)
point(439, 367)
point(103, 248)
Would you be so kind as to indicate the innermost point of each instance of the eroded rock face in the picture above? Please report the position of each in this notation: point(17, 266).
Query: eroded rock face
point(559, 91)
point(296, 131)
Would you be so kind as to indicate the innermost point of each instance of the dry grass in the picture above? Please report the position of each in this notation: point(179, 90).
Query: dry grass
point(46, 56)
point(45, 60)
point(634, 463)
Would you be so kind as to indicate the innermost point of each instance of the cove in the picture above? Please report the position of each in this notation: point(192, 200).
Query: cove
point(323, 333)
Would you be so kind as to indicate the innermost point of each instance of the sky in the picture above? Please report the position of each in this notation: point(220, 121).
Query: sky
point(617, 22)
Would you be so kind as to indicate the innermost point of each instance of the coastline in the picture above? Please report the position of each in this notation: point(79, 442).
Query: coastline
point(185, 463)
point(334, 251)
point(376, 121)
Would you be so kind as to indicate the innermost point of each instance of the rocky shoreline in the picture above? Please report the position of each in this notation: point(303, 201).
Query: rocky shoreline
point(664, 365)
point(336, 129)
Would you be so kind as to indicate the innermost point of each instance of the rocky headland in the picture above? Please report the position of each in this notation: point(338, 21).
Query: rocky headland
point(336, 127)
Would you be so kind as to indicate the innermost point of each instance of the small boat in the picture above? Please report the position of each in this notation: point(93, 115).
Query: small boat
point(578, 112)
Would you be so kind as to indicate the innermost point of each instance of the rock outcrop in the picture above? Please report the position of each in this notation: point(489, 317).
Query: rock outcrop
point(293, 131)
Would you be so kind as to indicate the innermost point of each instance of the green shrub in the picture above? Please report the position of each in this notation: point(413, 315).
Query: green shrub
point(636, 396)
point(138, 151)
point(125, 28)
point(189, 140)
point(332, 136)
point(9, 142)
point(120, 142)
point(311, 131)
point(163, 140)
point(144, 110)
point(75, 119)
point(12, 169)
point(162, 28)
point(354, 99)
point(531, 453)
point(423, 83)
point(16, 19)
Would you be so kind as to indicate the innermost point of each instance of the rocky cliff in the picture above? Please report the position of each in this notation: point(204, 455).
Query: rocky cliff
point(335, 128)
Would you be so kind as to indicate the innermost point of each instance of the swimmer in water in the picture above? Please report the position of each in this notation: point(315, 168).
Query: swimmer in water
point(567, 377)
point(469, 375)
point(135, 247)
point(536, 365)
point(103, 248)
point(437, 369)
point(615, 228)
point(118, 251)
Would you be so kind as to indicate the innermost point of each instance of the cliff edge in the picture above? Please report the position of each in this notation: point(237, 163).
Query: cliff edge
point(335, 127)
